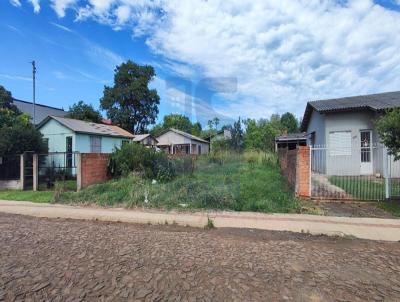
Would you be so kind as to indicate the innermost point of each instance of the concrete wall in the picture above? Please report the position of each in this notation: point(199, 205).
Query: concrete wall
point(15, 184)
point(317, 125)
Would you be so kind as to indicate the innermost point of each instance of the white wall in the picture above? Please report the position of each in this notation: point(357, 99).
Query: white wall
point(56, 134)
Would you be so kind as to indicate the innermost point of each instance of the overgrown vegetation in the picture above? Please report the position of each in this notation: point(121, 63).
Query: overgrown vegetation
point(250, 182)
point(39, 197)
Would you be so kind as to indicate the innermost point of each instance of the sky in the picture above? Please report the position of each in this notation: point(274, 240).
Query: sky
point(225, 58)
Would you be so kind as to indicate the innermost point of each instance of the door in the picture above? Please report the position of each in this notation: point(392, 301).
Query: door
point(366, 152)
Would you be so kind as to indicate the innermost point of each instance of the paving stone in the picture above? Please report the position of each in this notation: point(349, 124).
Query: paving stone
point(70, 260)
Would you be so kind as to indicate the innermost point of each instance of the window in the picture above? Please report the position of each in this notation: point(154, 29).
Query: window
point(199, 149)
point(340, 143)
point(312, 139)
point(124, 142)
point(46, 143)
point(95, 144)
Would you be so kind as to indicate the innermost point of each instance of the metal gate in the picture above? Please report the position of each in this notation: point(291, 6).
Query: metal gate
point(354, 173)
point(28, 170)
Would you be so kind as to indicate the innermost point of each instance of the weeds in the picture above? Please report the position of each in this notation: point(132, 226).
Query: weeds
point(210, 223)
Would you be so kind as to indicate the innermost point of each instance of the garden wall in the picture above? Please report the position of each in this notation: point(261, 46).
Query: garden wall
point(91, 169)
point(295, 166)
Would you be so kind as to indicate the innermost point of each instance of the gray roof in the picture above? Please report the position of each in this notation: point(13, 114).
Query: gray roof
point(292, 137)
point(140, 137)
point(89, 127)
point(190, 136)
point(41, 111)
point(375, 102)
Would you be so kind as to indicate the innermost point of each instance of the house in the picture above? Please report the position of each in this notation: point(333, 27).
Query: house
point(221, 134)
point(291, 140)
point(146, 139)
point(71, 135)
point(343, 136)
point(41, 111)
point(174, 141)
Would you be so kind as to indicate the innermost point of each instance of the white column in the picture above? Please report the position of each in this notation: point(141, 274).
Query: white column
point(35, 170)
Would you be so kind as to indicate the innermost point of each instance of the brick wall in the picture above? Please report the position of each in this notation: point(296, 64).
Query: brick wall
point(303, 172)
point(295, 166)
point(92, 169)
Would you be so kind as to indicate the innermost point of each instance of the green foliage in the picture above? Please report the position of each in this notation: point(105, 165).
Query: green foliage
point(177, 121)
point(220, 145)
point(39, 196)
point(232, 183)
point(237, 140)
point(289, 123)
point(143, 161)
point(130, 103)
point(84, 112)
point(6, 101)
point(388, 127)
point(261, 134)
point(17, 134)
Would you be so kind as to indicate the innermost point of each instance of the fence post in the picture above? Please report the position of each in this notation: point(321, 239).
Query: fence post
point(386, 173)
point(35, 172)
point(22, 171)
point(78, 171)
point(303, 177)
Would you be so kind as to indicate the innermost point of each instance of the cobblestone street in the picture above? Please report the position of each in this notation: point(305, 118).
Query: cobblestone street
point(71, 260)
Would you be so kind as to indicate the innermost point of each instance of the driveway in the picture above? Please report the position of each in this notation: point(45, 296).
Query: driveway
point(56, 259)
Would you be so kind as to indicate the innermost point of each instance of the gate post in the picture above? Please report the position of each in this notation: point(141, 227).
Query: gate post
point(78, 171)
point(386, 173)
point(303, 172)
point(22, 171)
point(35, 172)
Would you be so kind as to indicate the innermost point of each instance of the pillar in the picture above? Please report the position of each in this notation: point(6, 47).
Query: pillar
point(35, 172)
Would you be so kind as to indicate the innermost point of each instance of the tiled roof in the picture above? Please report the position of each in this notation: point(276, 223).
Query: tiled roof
point(140, 137)
point(89, 127)
point(375, 102)
point(292, 136)
point(190, 136)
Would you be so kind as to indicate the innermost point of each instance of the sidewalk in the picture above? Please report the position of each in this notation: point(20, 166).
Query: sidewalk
point(366, 228)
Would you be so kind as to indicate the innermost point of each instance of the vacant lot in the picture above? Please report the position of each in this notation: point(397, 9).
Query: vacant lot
point(249, 182)
point(42, 259)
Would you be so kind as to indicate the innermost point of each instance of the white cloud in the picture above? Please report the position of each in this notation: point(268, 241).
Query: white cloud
point(60, 6)
point(102, 56)
point(15, 77)
point(36, 5)
point(16, 3)
point(283, 53)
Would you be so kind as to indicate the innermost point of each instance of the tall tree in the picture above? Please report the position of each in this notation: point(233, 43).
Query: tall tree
point(289, 122)
point(17, 133)
point(388, 127)
point(216, 122)
point(6, 100)
point(130, 103)
point(237, 136)
point(84, 112)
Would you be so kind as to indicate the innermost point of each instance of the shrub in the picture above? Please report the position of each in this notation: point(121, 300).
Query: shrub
point(144, 161)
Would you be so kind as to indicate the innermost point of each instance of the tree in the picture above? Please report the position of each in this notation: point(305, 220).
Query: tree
point(388, 127)
point(84, 112)
point(177, 121)
point(289, 122)
point(237, 136)
point(6, 100)
point(216, 122)
point(17, 133)
point(130, 103)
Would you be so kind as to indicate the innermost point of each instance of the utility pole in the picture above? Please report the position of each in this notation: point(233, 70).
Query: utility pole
point(34, 90)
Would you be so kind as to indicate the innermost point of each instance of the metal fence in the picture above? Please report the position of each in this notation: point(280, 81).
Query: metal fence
point(10, 167)
point(364, 173)
point(57, 170)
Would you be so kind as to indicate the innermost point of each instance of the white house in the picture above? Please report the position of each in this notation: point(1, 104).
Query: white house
point(174, 141)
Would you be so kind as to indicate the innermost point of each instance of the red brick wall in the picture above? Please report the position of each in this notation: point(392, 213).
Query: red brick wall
point(93, 168)
point(303, 172)
point(295, 166)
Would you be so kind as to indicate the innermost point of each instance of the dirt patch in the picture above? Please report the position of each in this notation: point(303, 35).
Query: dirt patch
point(353, 209)
point(59, 260)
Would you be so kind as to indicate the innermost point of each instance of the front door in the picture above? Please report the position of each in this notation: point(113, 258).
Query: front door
point(366, 152)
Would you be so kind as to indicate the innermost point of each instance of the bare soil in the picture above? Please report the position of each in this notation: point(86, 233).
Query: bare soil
point(72, 260)
point(354, 209)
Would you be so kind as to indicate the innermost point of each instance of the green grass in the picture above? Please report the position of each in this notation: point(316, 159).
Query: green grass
point(360, 188)
point(392, 207)
point(27, 196)
point(247, 183)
